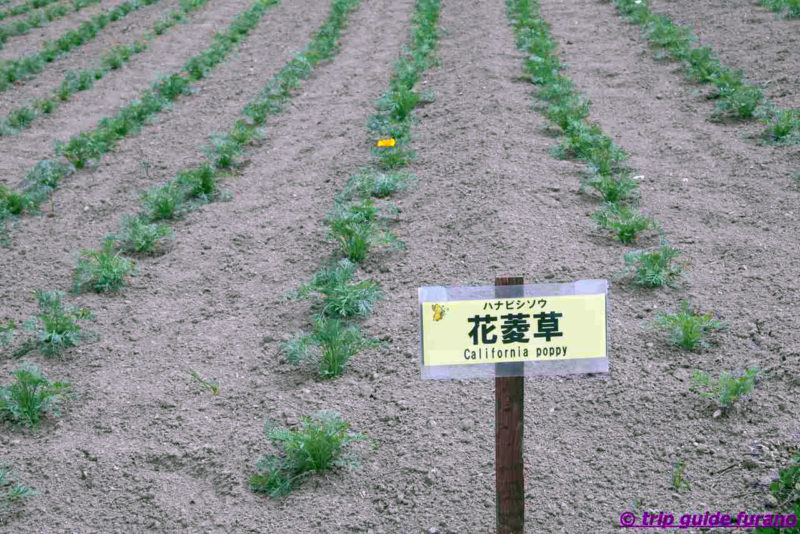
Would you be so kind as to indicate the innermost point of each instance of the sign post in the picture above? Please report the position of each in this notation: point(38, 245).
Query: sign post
point(509, 402)
point(509, 331)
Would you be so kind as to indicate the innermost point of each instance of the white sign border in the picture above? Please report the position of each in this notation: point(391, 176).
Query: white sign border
point(537, 368)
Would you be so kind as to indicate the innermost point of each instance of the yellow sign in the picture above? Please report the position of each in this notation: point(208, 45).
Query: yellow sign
point(515, 329)
point(386, 143)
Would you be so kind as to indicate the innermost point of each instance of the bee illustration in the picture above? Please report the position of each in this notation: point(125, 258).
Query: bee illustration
point(438, 311)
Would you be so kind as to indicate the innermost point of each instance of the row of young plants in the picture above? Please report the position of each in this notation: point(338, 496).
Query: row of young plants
point(82, 148)
point(358, 225)
point(83, 80)
point(26, 67)
point(735, 97)
point(25, 7)
point(608, 175)
point(41, 18)
point(147, 232)
point(789, 9)
point(318, 444)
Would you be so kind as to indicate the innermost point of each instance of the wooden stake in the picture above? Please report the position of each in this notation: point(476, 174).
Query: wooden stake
point(509, 394)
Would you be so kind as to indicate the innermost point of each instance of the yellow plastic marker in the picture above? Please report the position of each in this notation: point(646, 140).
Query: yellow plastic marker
point(383, 143)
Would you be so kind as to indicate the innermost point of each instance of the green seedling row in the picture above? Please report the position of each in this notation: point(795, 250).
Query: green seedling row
point(789, 9)
point(11, 490)
point(357, 224)
point(735, 97)
point(25, 7)
point(83, 80)
point(146, 232)
point(44, 178)
point(41, 18)
point(607, 172)
point(25, 67)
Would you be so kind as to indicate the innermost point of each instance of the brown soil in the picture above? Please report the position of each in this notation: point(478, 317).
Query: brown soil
point(144, 450)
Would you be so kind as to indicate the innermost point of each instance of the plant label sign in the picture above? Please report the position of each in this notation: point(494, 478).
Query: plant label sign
point(544, 329)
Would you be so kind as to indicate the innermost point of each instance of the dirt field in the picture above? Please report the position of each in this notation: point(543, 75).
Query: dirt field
point(143, 449)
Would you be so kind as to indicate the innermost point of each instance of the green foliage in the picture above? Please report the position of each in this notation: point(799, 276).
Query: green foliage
point(212, 386)
point(317, 446)
point(55, 327)
point(740, 102)
point(357, 227)
point(702, 65)
point(728, 389)
point(789, 9)
point(27, 66)
point(224, 151)
point(736, 98)
point(12, 491)
point(623, 219)
point(138, 234)
point(199, 183)
point(87, 146)
point(164, 202)
point(786, 489)
point(7, 332)
point(372, 183)
point(665, 34)
point(36, 19)
point(687, 329)
point(393, 158)
point(337, 296)
point(30, 395)
point(653, 268)
point(20, 118)
point(329, 346)
point(101, 270)
point(783, 129)
point(680, 477)
point(615, 188)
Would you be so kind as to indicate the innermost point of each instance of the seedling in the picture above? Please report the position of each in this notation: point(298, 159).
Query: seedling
point(7, 332)
point(55, 327)
point(784, 129)
point(741, 101)
point(393, 158)
point(613, 188)
point(137, 234)
point(702, 65)
point(30, 395)
point(12, 491)
point(680, 477)
point(199, 183)
point(730, 387)
point(371, 183)
point(101, 270)
point(654, 269)
point(783, 8)
point(329, 346)
point(786, 491)
point(164, 202)
point(357, 227)
point(340, 298)
point(317, 446)
point(212, 386)
point(623, 219)
point(687, 329)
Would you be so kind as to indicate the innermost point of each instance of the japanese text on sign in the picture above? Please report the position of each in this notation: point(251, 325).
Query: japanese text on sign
point(519, 329)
